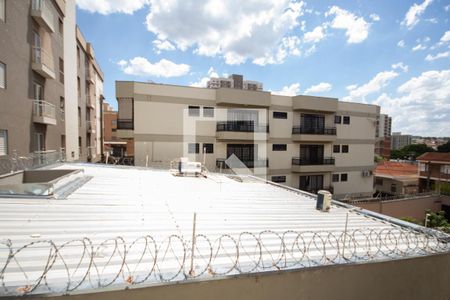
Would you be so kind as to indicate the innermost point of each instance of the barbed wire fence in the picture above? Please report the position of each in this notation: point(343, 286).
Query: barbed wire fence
point(14, 162)
point(41, 267)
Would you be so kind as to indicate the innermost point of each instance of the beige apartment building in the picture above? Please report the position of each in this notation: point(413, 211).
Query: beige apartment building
point(41, 109)
point(306, 142)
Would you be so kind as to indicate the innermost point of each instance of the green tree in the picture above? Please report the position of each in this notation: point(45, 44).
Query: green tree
point(437, 219)
point(444, 148)
point(412, 151)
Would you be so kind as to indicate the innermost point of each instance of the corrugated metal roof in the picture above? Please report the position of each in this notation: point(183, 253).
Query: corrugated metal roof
point(240, 227)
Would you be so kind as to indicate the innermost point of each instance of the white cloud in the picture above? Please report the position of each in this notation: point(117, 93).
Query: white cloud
point(437, 56)
point(419, 47)
point(357, 29)
point(140, 66)
point(445, 38)
point(314, 36)
point(401, 44)
point(233, 29)
point(423, 105)
point(413, 15)
point(163, 45)
point(291, 90)
point(400, 66)
point(106, 7)
point(319, 88)
point(203, 81)
point(375, 17)
point(359, 93)
point(447, 8)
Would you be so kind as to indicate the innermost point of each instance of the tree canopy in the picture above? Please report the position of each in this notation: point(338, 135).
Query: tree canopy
point(413, 151)
point(444, 148)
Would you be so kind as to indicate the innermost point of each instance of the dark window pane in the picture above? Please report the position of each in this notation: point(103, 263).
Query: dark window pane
point(279, 147)
point(337, 119)
point(208, 148)
point(208, 112)
point(344, 177)
point(336, 148)
point(279, 115)
point(194, 111)
point(335, 177)
point(344, 148)
point(279, 178)
point(193, 148)
point(346, 120)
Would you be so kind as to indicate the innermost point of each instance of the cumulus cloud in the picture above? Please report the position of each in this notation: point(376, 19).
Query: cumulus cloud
point(375, 17)
point(106, 7)
point(319, 88)
point(445, 38)
point(233, 29)
point(401, 44)
point(289, 90)
point(202, 82)
point(412, 17)
point(423, 104)
point(356, 28)
point(359, 93)
point(419, 47)
point(437, 56)
point(315, 35)
point(140, 66)
point(400, 66)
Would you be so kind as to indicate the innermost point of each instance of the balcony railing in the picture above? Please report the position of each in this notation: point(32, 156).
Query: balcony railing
point(90, 101)
point(42, 12)
point(43, 109)
point(297, 161)
point(314, 130)
point(43, 62)
point(90, 126)
point(241, 127)
point(125, 124)
point(260, 163)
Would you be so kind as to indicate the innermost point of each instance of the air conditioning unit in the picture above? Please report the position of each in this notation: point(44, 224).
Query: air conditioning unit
point(186, 167)
point(366, 173)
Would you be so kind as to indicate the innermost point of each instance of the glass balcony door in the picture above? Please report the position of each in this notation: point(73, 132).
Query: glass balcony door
point(311, 183)
point(245, 152)
point(311, 153)
point(312, 123)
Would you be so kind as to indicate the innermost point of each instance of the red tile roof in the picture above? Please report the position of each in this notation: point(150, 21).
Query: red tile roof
point(392, 168)
point(435, 156)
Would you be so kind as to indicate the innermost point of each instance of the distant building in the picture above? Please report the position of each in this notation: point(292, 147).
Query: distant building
point(400, 140)
point(112, 144)
point(396, 178)
point(383, 135)
point(434, 169)
point(235, 82)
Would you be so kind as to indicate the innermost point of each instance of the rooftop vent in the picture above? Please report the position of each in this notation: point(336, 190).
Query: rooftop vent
point(323, 201)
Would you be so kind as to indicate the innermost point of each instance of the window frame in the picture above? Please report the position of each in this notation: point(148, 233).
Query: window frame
point(193, 108)
point(282, 115)
point(279, 147)
point(208, 111)
point(196, 150)
point(5, 131)
point(278, 178)
point(337, 119)
point(3, 67)
point(344, 177)
point(338, 148)
point(345, 148)
point(346, 120)
point(335, 178)
point(206, 149)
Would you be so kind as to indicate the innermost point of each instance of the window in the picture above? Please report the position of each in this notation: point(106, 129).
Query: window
point(393, 188)
point(445, 169)
point(423, 167)
point(344, 177)
point(3, 142)
point(194, 111)
point(335, 178)
point(78, 56)
point(61, 107)
point(2, 10)
point(193, 148)
point(61, 26)
point(279, 115)
point(337, 119)
point(336, 148)
point(279, 147)
point(344, 148)
point(80, 149)
point(346, 120)
point(208, 148)
point(208, 112)
point(114, 123)
point(63, 141)
point(61, 70)
point(38, 91)
point(40, 141)
point(278, 178)
point(2, 75)
point(79, 116)
point(79, 86)
point(378, 181)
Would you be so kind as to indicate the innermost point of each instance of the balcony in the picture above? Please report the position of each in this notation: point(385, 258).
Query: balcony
point(90, 126)
point(301, 165)
point(42, 13)
point(89, 74)
point(260, 163)
point(125, 128)
point(44, 112)
point(90, 102)
point(313, 134)
point(231, 130)
point(42, 63)
point(91, 152)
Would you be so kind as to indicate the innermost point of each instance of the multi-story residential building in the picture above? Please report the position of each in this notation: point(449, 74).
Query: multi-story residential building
point(234, 81)
point(112, 144)
point(399, 140)
point(38, 79)
point(383, 135)
point(306, 142)
point(434, 170)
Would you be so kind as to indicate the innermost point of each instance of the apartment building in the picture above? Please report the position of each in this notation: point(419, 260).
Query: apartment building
point(234, 81)
point(383, 135)
point(399, 140)
point(306, 142)
point(39, 104)
point(112, 144)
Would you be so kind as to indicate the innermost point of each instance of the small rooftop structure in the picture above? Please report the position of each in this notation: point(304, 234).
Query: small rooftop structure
point(441, 157)
point(128, 226)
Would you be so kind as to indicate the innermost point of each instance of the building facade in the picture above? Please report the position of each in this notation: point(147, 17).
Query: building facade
point(112, 144)
point(306, 142)
point(399, 140)
point(234, 81)
point(434, 171)
point(38, 79)
point(383, 135)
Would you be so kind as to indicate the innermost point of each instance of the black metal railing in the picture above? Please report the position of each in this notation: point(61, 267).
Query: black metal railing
point(241, 127)
point(297, 161)
point(314, 130)
point(125, 124)
point(260, 163)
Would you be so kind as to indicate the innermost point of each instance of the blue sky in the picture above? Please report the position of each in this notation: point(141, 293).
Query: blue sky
point(395, 54)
